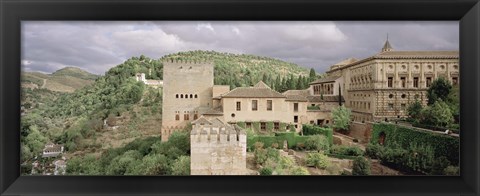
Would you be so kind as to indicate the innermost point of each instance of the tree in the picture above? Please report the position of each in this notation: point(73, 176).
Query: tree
point(341, 117)
point(312, 76)
point(439, 90)
point(361, 166)
point(181, 166)
point(438, 114)
point(415, 110)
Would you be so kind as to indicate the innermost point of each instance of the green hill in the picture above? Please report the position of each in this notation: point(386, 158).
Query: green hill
point(64, 80)
point(75, 72)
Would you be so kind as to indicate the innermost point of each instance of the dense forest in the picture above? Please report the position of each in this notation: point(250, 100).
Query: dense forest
point(116, 111)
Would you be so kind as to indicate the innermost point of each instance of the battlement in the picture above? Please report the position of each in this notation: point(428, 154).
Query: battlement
point(214, 134)
point(186, 62)
point(217, 148)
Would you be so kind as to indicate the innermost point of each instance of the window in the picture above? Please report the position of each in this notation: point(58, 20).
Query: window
point(239, 106)
point(403, 96)
point(269, 105)
point(415, 82)
point(176, 96)
point(295, 119)
point(429, 81)
point(403, 82)
point(454, 80)
point(390, 82)
point(195, 116)
point(196, 96)
point(177, 117)
point(191, 96)
point(254, 105)
point(248, 125)
point(186, 117)
point(390, 106)
point(186, 96)
point(263, 126)
point(233, 115)
point(390, 96)
point(295, 107)
point(181, 95)
point(276, 126)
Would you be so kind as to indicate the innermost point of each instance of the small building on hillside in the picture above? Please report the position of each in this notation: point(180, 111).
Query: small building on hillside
point(52, 150)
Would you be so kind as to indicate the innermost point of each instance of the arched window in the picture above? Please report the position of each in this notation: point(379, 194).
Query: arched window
point(176, 95)
point(177, 117)
point(196, 96)
point(186, 96)
point(381, 138)
point(181, 95)
point(191, 96)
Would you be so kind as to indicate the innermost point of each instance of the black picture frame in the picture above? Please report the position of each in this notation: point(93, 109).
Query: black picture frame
point(12, 12)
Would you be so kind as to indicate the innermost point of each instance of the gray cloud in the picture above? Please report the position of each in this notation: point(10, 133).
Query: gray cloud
point(98, 46)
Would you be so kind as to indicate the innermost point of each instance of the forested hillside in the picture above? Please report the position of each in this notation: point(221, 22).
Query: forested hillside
point(246, 70)
point(67, 80)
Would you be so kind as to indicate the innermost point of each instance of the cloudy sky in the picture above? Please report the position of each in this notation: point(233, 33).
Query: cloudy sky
point(98, 46)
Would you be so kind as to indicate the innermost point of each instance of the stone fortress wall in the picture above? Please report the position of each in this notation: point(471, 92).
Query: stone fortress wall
point(217, 148)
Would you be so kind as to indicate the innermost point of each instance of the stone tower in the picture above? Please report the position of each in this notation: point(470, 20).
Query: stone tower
point(187, 93)
point(387, 47)
point(217, 148)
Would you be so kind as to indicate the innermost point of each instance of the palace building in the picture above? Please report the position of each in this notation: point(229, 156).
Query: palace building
point(383, 85)
point(375, 88)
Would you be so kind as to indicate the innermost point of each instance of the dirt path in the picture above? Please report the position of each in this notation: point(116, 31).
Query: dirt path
point(44, 83)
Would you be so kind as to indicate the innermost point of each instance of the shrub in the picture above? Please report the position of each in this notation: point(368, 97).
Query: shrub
point(347, 150)
point(374, 151)
point(266, 171)
point(361, 166)
point(315, 130)
point(317, 160)
point(299, 171)
point(317, 142)
point(451, 171)
point(181, 166)
point(439, 165)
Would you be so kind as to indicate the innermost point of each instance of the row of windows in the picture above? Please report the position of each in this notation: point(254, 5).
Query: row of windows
point(186, 96)
point(263, 126)
point(255, 105)
point(360, 105)
point(391, 106)
point(186, 115)
point(428, 80)
point(325, 89)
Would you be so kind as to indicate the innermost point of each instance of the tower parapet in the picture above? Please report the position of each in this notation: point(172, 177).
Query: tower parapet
point(217, 149)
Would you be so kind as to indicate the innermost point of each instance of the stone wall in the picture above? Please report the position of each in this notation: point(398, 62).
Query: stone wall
point(218, 150)
point(361, 131)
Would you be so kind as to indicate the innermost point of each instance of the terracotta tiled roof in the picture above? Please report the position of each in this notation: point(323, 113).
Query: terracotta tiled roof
point(260, 90)
point(217, 122)
point(326, 79)
point(318, 98)
point(201, 120)
point(417, 54)
point(296, 95)
point(214, 111)
point(406, 55)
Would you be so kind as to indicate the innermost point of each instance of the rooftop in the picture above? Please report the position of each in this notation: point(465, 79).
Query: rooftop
point(259, 90)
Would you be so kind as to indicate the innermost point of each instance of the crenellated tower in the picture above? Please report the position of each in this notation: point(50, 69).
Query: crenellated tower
point(217, 148)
